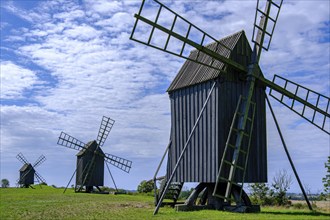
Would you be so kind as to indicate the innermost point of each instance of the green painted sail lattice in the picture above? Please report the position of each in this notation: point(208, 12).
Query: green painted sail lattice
point(311, 105)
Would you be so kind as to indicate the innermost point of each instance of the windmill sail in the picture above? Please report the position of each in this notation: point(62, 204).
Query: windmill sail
point(21, 158)
point(39, 161)
point(264, 29)
point(118, 162)
point(178, 42)
point(70, 142)
point(105, 128)
point(312, 106)
point(39, 177)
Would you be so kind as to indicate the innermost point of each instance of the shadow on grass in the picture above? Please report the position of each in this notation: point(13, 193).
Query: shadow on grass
point(312, 213)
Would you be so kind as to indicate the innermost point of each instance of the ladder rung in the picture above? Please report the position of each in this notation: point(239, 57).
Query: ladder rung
point(243, 151)
point(240, 114)
point(230, 181)
point(233, 146)
point(233, 165)
point(224, 197)
point(227, 180)
point(244, 133)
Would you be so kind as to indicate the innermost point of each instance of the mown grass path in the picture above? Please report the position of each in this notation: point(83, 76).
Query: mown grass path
point(51, 203)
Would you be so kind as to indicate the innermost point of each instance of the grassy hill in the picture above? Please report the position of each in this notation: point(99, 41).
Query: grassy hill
point(51, 203)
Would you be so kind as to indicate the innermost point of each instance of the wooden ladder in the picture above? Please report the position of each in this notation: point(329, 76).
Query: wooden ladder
point(239, 153)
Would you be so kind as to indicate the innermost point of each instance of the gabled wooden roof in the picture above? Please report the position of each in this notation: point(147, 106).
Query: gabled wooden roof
point(25, 167)
point(192, 73)
point(90, 147)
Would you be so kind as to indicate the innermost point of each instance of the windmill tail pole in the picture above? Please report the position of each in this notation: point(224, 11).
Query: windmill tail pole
point(289, 157)
point(72, 177)
point(70, 181)
point(159, 165)
point(167, 185)
point(113, 180)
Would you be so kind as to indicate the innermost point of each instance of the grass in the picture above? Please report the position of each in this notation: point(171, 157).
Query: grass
point(51, 203)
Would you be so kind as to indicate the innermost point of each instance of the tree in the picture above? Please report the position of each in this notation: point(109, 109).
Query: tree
point(4, 183)
point(281, 183)
point(260, 194)
point(145, 186)
point(326, 179)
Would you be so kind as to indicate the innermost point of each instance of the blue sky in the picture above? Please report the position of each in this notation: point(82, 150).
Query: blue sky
point(65, 64)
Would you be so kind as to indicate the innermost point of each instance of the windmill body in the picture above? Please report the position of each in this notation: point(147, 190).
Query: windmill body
point(188, 92)
point(26, 175)
point(83, 159)
point(91, 159)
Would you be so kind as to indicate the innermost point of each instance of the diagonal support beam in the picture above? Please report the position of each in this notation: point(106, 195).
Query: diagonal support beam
point(157, 170)
point(113, 180)
point(288, 155)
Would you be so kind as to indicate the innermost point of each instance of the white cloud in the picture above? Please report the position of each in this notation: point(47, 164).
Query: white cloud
point(82, 32)
point(70, 16)
point(15, 80)
point(105, 7)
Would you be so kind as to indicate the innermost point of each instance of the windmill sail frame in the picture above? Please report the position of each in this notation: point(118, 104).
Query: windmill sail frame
point(90, 158)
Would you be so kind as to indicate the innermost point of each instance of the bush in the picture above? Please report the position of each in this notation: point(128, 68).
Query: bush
point(145, 186)
point(281, 183)
point(262, 194)
point(298, 206)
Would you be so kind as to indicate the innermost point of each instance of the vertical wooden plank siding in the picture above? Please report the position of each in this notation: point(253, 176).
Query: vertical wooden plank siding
point(203, 156)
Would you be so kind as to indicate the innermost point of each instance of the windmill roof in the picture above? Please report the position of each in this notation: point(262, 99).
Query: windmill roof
point(26, 167)
point(192, 73)
point(90, 147)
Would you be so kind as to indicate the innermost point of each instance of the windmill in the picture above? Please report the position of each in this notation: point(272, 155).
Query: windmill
point(90, 159)
point(218, 107)
point(28, 172)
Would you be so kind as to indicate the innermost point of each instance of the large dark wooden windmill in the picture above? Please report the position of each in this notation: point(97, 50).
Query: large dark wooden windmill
point(90, 159)
point(218, 106)
point(28, 172)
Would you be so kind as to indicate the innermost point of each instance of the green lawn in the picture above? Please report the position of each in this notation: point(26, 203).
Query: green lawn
point(51, 203)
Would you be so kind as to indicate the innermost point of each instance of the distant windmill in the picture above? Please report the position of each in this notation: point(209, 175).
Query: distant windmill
point(28, 172)
point(90, 159)
point(218, 107)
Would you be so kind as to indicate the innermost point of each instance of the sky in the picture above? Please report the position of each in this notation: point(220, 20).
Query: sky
point(66, 63)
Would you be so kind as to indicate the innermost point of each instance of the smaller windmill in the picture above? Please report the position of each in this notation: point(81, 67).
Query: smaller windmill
point(28, 172)
point(90, 159)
